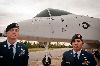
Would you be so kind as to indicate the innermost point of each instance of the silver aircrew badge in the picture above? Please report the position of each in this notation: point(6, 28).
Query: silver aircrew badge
point(22, 52)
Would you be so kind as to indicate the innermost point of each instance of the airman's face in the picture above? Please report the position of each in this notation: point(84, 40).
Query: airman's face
point(77, 44)
point(13, 33)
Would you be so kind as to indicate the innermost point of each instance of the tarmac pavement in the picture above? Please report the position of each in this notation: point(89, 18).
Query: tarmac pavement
point(35, 58)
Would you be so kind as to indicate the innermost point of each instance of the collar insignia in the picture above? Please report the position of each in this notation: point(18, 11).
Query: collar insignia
point(4, 45)
point(82, 54)
point(71, 53)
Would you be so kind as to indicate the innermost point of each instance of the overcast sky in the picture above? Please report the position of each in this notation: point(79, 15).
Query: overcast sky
point(19, 10)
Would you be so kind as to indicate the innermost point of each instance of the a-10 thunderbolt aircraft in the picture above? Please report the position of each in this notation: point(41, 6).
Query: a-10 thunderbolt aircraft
point(58, 25)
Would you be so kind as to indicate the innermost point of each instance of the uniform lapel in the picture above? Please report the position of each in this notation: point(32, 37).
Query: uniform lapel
point(17, 50)
point(81, 55)
point(5, 47)
point(71, 55)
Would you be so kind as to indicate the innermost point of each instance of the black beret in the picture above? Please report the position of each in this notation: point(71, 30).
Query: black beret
point(13, 25)
point(76, 36)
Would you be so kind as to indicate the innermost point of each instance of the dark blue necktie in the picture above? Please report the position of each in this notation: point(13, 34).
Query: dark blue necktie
point(76, 56)
point(11, 51)
point(76, 59)
point(10, 55)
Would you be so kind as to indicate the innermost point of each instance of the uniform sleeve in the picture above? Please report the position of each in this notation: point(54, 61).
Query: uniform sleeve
point(63, 63)
point(93, 61)
point(1, 56)
point(26, 57)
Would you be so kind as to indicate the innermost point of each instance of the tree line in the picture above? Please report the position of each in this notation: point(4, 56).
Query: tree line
point(43, 44)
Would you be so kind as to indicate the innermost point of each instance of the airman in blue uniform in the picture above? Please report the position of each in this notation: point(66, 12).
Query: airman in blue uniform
point(13, 53)
point(77, 56)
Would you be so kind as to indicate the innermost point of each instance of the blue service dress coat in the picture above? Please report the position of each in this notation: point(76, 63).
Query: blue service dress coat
point(85, 59)
point(20, 58)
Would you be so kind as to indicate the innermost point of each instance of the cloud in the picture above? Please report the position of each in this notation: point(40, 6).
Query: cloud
point(17, 10)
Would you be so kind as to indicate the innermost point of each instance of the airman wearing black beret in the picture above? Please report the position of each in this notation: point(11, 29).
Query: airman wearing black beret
point(77, 56)
point(13, 25)
point(13, 53)
point(76, 36)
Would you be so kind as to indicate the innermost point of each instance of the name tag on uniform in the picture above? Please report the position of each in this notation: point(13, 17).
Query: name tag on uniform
point(1, 56)
point(68, 62)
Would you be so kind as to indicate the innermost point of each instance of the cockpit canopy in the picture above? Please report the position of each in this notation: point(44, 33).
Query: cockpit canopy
point(52, 12)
